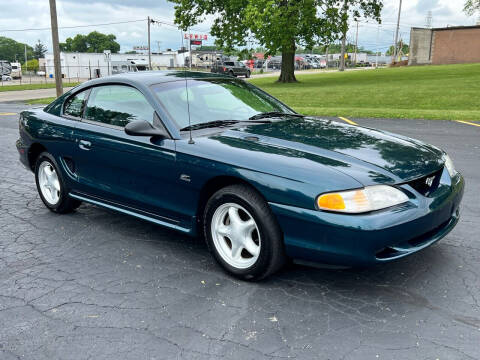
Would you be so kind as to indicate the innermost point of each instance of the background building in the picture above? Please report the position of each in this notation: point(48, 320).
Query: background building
point(91, 65)
point(451, 45)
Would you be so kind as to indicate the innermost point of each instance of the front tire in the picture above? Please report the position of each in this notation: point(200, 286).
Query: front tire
point(247, 75)
point(51, 185)
point(242, 233)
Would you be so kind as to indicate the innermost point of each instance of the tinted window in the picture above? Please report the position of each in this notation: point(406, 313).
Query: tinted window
point(74, 105)
point(117, 105)
point(229, 63)
point(214, 99)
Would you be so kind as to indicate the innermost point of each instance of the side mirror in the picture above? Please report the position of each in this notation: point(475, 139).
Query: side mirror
point(144, 128)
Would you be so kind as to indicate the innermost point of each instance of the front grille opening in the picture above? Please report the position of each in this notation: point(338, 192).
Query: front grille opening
point(427, 184)
point(422, 238)
point(388, 252)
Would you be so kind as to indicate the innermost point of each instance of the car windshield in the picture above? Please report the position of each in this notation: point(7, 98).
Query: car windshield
point(214, 99)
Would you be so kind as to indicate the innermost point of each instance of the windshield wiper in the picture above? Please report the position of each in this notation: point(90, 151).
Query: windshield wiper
point(273, 114)
point(220, 123)
point(210, 124)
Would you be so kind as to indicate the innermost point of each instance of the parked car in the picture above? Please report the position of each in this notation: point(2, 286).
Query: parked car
point(6, 78)
point(232, 68)
point(212, 155)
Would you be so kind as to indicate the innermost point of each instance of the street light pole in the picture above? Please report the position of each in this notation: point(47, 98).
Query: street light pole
point(56, 48)
point(396, 33)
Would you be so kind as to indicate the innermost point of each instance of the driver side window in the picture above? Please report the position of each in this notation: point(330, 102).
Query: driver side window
point(117, 105)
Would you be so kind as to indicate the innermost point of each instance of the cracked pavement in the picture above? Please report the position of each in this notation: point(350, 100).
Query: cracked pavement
point(96, 284)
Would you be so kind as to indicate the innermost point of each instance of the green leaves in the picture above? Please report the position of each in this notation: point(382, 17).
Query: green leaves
point(471, 6)
point(95, 42)
point(278, 25)
point(11, 50)
point(39, 50)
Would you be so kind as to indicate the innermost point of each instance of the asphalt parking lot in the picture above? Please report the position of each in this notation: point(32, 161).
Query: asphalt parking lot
point(100, 285)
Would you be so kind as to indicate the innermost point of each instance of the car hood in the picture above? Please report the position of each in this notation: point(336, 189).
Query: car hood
point(370, 156)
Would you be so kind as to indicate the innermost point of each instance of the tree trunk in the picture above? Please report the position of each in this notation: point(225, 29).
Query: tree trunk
point(342, 55)
point(326, 56)
point(287, 74)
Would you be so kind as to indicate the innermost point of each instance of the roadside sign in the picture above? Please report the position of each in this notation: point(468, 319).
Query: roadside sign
point(195, 37)
point(107, 54)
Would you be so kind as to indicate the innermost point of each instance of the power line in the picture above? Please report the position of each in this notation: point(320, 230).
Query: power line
point(72, 27)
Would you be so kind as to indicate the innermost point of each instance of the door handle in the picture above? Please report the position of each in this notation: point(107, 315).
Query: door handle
point(85, 145)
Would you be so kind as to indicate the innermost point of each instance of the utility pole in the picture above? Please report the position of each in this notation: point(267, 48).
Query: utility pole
point(149, 49)
point(56, 48)
point(396, 33)
point(428, 20)
point(26, 60)
point(356, 46)
point(344, 37)
point(376, 50)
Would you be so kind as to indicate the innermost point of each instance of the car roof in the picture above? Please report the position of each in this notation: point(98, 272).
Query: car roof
point(148, 78)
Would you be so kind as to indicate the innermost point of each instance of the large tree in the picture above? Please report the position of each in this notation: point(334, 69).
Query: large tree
point(39, 50)
point(472, 6)
point(95, 42)
point(278, 25)
point(11, 50)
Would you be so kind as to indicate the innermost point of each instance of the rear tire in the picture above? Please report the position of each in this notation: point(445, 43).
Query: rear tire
point(51, 185)
point(243, 234)
point(231, 73)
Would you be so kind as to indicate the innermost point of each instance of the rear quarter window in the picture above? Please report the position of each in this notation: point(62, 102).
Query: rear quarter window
point(74, 105)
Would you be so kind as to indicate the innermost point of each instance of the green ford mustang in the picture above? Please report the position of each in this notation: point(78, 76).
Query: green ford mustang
point(214, 156)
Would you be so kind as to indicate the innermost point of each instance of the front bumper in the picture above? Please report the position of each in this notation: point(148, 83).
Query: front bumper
point(377, 237)
point(23, 153)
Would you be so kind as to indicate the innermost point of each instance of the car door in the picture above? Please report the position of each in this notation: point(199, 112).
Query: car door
point(230, 65)
point(134, 172)
point(58, 136)
point(239, 68)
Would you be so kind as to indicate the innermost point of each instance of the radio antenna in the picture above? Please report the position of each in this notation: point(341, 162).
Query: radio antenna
point(190, 140)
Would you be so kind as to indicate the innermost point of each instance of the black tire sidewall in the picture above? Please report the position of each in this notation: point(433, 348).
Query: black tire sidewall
point(266, 234)
point(63, 191)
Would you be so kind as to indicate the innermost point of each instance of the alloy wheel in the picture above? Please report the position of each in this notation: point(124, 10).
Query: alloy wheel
point(49, 182)
point(235, 235)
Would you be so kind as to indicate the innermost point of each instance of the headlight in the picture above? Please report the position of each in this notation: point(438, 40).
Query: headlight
point(449, 165)
point(362, 200)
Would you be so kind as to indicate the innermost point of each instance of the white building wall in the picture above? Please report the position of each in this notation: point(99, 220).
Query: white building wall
point(86, 65)
point(360, 57)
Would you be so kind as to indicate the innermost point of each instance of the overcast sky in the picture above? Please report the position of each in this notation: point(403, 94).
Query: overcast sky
point(34, 14)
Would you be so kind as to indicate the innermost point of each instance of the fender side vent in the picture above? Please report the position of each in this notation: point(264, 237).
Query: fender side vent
point(70, 164)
